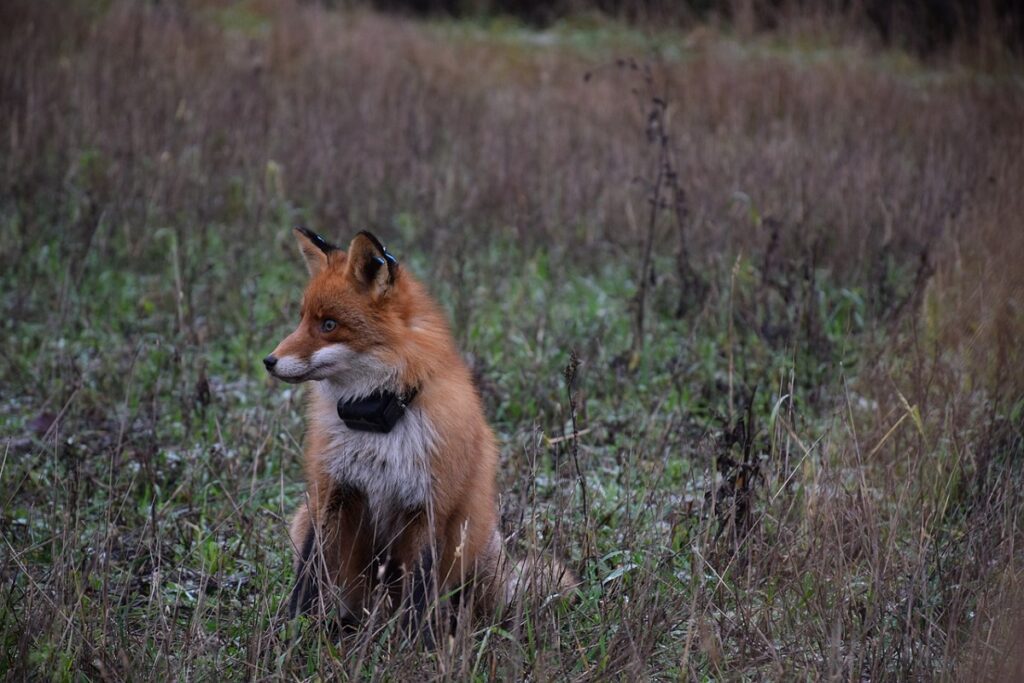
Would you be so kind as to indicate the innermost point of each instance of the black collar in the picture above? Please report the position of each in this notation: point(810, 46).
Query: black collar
point(379, 412)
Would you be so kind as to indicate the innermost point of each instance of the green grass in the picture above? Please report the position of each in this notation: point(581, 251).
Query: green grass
point(810, 471)
point(197, 490)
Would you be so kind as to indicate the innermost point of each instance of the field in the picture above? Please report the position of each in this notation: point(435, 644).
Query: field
point(745, 309)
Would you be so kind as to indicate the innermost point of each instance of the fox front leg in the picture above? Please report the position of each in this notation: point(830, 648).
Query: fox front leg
point(422, 593)
point(419, 552)
point(331, 555)
point(308, 577)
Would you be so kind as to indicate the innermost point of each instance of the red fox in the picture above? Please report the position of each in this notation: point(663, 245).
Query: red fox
point(400, 462)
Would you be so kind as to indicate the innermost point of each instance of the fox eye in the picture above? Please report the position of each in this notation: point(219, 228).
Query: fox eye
point(328, 325)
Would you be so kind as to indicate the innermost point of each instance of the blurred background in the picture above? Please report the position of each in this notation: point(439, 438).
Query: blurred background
point(740, 282)
point(924, 27)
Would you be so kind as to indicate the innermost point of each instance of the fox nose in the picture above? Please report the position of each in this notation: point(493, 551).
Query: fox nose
point(270, 362)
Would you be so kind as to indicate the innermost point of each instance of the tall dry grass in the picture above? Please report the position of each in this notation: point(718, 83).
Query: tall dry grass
point(870, 531)
point(183, 115)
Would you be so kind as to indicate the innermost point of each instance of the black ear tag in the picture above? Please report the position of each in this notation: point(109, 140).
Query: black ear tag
point(379, 412)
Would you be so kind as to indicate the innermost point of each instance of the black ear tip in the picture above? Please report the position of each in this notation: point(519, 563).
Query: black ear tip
point(318, 241)
point(382, 251)
point(381, 257)
point(373, 240)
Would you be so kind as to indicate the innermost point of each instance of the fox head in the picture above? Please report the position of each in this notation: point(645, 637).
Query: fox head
point(354, 317)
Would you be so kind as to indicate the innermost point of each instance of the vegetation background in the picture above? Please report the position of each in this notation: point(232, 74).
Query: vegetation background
point(741, 282)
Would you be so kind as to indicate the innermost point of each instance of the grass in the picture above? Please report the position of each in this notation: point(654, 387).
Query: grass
point(810, 468)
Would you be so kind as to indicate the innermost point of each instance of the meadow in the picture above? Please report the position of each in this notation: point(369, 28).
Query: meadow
point(745, 309)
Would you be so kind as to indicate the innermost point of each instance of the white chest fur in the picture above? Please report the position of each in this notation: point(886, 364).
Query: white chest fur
point(393, 469)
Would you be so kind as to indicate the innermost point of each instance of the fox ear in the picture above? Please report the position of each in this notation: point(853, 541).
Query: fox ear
point(370, 265)
point(314, 249)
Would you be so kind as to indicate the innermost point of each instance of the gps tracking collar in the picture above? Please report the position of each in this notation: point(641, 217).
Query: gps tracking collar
point(379, 412)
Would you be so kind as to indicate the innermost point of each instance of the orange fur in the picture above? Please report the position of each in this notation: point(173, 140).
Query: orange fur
point(429, 486)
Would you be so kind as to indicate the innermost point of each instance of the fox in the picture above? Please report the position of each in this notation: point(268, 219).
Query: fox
point(400, 462)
